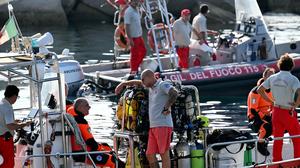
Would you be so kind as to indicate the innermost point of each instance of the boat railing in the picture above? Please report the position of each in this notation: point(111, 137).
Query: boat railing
point(130, 136)
point(274, 163)
point(209, 148)
point(84, 147)
point(58, 155)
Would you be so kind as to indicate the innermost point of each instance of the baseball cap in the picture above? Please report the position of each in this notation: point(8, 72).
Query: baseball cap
point(120, 2)
point(204, 8)
point(185, 12)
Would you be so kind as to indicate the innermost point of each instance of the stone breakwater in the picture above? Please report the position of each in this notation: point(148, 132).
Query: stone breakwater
point(36, 12)
point(62, 12)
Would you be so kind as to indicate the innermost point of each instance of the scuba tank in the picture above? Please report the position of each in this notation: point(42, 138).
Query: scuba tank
point(197, 155)
point(182, 150)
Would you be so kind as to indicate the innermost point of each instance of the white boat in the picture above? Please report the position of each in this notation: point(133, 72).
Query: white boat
point(24, 48)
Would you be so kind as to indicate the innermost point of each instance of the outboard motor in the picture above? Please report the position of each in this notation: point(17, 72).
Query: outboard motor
point(73, 75)
point(183, 152)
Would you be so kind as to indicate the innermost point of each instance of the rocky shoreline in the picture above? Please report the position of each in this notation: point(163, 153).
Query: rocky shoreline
point(62, 12)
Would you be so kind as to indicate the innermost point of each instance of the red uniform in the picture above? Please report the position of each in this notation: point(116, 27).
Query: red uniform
point(183, 54)
point(7, 152)
point(137, 53)
point(285, 120)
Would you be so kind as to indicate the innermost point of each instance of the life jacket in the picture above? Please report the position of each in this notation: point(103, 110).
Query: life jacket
point(107, 160)
point(120, 38)
point(129, 107)
point(85, 132)
point(259, 104)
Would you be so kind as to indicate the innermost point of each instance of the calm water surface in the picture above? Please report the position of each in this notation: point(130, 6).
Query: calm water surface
point(94, 41)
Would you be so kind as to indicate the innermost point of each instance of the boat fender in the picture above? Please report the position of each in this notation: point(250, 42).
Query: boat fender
point(120, 38)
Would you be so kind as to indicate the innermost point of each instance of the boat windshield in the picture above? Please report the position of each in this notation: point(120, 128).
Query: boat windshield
point(249, 18)
point(244, 9)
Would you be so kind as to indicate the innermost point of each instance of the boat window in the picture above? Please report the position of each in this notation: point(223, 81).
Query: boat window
point(241, 28)
point(260, 29)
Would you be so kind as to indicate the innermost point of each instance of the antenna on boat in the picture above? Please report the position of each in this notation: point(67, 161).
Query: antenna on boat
point(276, 53)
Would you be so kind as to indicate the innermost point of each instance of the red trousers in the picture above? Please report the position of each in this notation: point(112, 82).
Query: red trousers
point(183, 54)
point(7, 152)
point(137, 53)
point(282, 120)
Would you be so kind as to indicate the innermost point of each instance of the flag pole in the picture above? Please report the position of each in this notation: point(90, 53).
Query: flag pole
point(15, 46)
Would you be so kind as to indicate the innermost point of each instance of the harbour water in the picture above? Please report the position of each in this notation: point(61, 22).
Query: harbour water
point(95, 41)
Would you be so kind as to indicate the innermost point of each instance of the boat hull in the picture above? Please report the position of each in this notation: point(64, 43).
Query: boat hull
point(227, 79)
point(232, 79)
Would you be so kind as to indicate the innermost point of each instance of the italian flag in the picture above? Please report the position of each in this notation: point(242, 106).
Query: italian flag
point(8, 31)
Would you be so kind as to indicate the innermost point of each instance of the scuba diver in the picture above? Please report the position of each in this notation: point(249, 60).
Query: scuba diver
point(259, 113)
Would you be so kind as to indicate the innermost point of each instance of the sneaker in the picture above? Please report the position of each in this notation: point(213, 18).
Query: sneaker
point(262, 148)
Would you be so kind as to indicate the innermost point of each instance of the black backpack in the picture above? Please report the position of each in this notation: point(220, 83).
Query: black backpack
point(228, 135)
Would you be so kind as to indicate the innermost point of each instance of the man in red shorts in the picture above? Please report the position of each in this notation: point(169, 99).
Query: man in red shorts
point(284, 117)
point(161, 96)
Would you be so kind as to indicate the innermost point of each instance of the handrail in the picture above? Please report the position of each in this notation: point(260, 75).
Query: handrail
point(129, 136)
point(58, 155)
point(83, 145)
point(244, 141)
point(274, 163)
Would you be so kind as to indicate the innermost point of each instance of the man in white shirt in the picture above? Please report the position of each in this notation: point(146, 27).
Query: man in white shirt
point(182, 30)
point(284, 117)
point(133, 28)
point(200, 25)
point(8, 124)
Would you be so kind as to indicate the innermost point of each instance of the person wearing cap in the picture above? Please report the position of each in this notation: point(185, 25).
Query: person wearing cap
point(8, 125)
point(123, 5)
point(284, 88)
point(200, 25)
point(133, 28)
point(182, 30)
